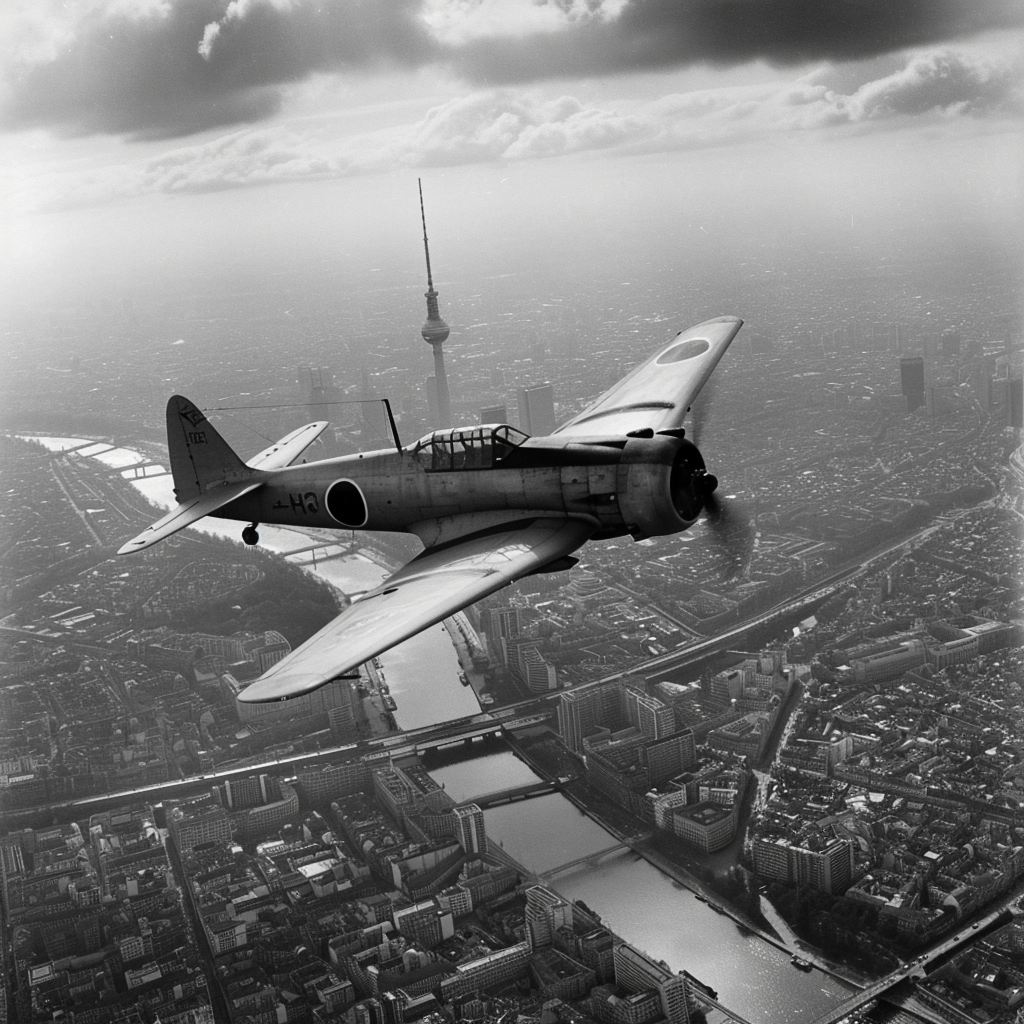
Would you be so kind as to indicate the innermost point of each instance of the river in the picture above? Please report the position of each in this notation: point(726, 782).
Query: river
point(637, 901)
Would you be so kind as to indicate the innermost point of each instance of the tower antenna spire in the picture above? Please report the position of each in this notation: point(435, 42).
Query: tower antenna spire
point(435, 331)
point(426, 246)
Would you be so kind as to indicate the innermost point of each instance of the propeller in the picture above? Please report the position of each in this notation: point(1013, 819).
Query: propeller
point(699, 410)
point(731, 529)
point(728, 524)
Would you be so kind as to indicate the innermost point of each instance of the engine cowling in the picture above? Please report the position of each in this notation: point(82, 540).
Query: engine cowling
point(662, 484)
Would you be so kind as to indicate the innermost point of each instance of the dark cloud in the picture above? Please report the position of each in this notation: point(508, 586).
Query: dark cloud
point(660, 34)
point(143, 76)
point(939, 88)
point(190, 65)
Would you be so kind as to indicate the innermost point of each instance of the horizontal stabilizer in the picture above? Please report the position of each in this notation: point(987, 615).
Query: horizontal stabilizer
point(187, 513)
point(284, 452)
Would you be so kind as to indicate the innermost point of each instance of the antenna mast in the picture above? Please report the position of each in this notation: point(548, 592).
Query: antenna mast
point(435, 331)
point(426, 247)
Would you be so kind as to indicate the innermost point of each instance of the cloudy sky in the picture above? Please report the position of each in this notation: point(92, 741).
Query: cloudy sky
point(161, 125)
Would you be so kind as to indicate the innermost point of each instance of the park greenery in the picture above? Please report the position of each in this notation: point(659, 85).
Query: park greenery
point(284, 598)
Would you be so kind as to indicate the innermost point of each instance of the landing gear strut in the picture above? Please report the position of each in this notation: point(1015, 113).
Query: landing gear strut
point(249, 534)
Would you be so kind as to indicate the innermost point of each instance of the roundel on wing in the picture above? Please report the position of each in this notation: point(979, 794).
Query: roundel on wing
point(684, 350)
point(346, 504)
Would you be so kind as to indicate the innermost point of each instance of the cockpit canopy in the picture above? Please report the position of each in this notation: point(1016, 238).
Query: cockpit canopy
point(459, 448)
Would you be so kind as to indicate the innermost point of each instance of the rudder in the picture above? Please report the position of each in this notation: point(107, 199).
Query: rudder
point(199, 456)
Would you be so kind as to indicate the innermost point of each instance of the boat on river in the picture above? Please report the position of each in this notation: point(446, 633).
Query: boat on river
point(800, 963)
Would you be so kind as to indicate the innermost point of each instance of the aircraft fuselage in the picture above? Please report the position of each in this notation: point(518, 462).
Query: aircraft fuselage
point(622, 485)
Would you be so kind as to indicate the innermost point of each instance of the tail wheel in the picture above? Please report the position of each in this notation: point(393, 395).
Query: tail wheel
point(250, 535)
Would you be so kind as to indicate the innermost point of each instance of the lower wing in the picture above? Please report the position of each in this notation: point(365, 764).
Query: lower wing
point(435, 584)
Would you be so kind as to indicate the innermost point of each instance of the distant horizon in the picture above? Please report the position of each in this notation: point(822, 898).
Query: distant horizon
point(580, 146)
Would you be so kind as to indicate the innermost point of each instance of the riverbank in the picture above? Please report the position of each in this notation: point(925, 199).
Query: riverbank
point(623, 826)
point(465, 639)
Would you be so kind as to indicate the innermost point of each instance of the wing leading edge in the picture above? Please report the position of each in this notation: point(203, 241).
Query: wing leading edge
point(435, 584)
point(658, 393)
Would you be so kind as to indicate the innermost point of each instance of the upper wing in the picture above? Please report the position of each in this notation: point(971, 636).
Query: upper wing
point(187, 513)
point(659, 392)
point(284, 452)
point(436, 583)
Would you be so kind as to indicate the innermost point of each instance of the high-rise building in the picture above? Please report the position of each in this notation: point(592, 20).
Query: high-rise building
point(523, 657)
point(1016, 402)
point(321, 394)
point(546, 912)
point(537, 410)
point(494, 414)
point(252, 791)
point(373, 428)
point(435, 332)
point(580, 712)
point(315, 702)
point(342, 722)
point(392, 1004)
point(981, 383)
point(667, 757)
point(469, 828)
point(637, 972)
point(369, 1011)
point(827, 866)
point(425, 921)
point(503, 624)
point(198, 821)
point(912, 381)
point(654, 718)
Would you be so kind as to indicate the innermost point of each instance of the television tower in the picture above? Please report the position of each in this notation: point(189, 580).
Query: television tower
point(435, 331)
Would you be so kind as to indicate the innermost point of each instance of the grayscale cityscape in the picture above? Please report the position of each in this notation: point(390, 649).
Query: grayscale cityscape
point(766, 766)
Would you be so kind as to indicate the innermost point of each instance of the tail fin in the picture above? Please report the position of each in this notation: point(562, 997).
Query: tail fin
point(199, 455)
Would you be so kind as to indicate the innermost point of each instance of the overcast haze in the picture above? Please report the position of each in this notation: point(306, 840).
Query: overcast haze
point(165, 146)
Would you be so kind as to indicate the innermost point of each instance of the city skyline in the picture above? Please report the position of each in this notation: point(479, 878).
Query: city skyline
point(696, 150)
point(661, 783)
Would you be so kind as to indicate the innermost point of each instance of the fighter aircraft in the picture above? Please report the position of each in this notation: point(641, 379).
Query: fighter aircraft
point(490, 504)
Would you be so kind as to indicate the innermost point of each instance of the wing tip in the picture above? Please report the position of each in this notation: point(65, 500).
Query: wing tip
point(732, 321)
point(277, 691)
point(135, 544)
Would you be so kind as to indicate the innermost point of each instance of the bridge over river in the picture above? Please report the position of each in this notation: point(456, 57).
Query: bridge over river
point(513, 793)
point(579, 862)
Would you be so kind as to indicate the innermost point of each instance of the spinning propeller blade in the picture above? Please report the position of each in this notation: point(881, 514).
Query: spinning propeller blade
point(727, 522)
